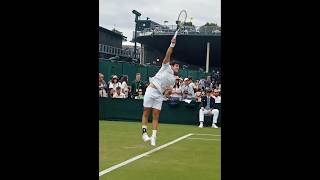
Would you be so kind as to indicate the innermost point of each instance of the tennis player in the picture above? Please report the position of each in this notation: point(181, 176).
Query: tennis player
point(153, 97)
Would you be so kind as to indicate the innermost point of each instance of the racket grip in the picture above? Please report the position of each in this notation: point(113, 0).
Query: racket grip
point(175, 34)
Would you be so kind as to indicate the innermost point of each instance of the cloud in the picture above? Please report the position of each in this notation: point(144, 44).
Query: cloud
point(118, 13)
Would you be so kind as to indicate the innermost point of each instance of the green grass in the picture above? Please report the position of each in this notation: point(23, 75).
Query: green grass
point(188, 159)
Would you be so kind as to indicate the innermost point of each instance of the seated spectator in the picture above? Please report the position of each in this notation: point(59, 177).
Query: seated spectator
point(207, 108)
point(180, 81)
point(190, 82)
point(176, 90)
point(196, 86)
point(140, 95)
point(113, 85)
point(187, 91)
point(198, 95)
point(216, 96)
point(118, 93)
point(124, 85)
point(136, 85)
point(103, 87)
point(202, 84)
point(208, 83)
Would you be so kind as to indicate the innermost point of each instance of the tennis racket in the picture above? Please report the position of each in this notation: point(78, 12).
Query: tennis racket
point(180, 22)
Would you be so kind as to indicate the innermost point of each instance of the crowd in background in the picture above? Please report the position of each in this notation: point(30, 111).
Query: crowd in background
point(184, 89)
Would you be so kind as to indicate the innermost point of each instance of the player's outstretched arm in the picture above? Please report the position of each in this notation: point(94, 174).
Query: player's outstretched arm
point(169, 51)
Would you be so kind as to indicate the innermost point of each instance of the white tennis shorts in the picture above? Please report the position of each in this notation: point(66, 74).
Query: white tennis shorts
point(152, 98)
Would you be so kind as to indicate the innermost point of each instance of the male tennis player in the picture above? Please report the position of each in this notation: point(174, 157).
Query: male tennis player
point(153, 97)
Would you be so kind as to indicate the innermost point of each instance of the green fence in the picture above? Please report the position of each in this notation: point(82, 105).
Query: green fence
point(131, 110)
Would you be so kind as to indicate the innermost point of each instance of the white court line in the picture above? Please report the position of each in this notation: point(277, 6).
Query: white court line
point(206, 134)
point(141, 155)
point(206, 139)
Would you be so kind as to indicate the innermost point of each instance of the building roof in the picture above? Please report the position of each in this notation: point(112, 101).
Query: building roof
point(112, 32)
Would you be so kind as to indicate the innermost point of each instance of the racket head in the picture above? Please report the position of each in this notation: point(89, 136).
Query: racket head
point(181, 18)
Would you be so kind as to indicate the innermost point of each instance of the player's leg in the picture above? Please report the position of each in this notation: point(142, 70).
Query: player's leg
point(215, 113)
point(155, 124)
point(157, 104)
point(145, 116)
point(147, 104)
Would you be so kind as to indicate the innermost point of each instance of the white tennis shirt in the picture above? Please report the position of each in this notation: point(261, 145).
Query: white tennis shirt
point(165, 77)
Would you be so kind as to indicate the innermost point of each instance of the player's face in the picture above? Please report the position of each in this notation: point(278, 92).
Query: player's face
point(175, 68)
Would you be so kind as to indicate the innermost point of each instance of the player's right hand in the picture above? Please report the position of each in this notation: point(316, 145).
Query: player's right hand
point(173, 40)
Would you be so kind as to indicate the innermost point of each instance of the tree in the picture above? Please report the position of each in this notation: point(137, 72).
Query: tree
point(209, 28)
point(188, 24)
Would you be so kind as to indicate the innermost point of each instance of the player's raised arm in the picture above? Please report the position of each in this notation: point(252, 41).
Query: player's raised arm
point(169, 51)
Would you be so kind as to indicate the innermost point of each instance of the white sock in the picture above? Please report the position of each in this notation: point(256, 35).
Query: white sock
point(154, 133)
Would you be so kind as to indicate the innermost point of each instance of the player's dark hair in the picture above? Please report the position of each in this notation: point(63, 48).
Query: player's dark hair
point(172, 63)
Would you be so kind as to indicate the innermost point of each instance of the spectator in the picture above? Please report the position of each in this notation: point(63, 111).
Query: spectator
point(216, 96)
point(198, 95)
point(136, 85)
point(208, 83)
point(118, 93)
point(217, 77)
point(176, 90)
point(187, 91)
point(197, 86)
point(103, 87)
point(124, 85)
point(190, 82)
point(207, 104)
point(140, 95)
point(114, 84)
point(202, 84)
point(180, 81)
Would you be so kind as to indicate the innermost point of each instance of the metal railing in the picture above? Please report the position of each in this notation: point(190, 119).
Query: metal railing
point(118, 51)
point(187, 30)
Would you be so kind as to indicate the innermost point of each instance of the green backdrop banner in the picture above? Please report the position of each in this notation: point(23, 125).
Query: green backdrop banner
point(131, 110)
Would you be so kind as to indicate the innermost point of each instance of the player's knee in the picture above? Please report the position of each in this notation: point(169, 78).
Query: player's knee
point(156, 113)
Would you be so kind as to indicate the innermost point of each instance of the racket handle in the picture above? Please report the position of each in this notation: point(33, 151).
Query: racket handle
point(175, 34)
